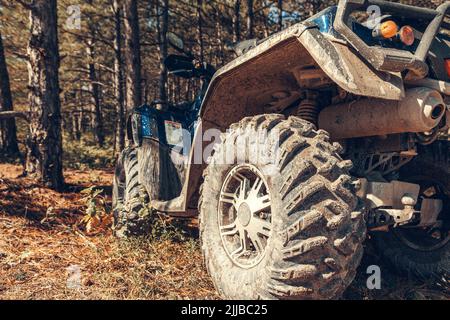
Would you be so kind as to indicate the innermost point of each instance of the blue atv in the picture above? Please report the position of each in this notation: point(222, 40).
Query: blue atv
point(292, 152)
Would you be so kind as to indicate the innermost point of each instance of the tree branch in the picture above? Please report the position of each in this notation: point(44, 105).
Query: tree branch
point(13, 114)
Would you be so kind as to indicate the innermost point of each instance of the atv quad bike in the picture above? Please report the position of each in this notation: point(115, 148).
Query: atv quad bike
point(353, 107)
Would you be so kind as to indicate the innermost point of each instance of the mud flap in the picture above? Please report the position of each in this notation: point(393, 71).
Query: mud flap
point(161, 176)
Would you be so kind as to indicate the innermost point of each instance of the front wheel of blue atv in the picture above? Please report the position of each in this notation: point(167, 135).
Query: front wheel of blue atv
point(130, 199)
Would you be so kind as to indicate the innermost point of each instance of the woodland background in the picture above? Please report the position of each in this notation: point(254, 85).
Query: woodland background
point(110, 58)
point(70, 70)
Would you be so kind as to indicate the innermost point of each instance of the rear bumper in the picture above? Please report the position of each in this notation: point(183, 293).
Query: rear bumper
point(386, 59)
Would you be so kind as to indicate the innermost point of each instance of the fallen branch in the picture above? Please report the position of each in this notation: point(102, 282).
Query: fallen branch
point(90, 243)
point(13, 114)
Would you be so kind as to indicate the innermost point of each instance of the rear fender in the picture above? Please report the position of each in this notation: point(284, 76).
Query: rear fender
point(244, 86)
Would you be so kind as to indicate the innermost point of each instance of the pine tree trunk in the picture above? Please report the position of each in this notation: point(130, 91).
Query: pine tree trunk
point(250, 20)
point(94, 89)
point(44, 146)
point(118, 80)
point(237, 21)
point(132, 55)
point(163, 27)
point(280, 13)
point(80, 123)
point(76, 132)
point(81, 114)
point(200, 30)
point(8, 137)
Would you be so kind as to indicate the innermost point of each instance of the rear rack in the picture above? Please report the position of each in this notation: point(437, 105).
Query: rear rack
point(387, 59)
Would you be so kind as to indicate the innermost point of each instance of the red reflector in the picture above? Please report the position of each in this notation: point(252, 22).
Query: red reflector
point(447, 66)
point(406, 34)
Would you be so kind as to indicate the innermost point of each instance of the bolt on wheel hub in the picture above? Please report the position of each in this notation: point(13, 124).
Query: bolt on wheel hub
point(244, 215)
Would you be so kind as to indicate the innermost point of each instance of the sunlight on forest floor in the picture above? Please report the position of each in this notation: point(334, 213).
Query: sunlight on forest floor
point(43, 246)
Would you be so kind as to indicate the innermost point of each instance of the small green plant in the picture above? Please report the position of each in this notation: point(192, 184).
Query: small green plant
point(97, 218)
point(164, 229)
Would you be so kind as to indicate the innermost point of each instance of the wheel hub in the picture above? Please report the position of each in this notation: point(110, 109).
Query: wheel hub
point(244, 214)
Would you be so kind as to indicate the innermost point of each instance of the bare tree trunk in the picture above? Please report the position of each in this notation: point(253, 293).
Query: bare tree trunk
point(163, 27)
point(132, 55)
point(94, 89)
point(280, 13)
point(237, 21)
point(219, 35)
point(8, 136)
point(81, 115)
point(200, 30)
point(250, 20)
point(266, 26)
point(44, 146)
point(118, 80)
point(315, 6)
point(80, 123)
point(76, 125)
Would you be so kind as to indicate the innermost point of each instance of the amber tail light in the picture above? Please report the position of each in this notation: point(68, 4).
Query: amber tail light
point(388, 29)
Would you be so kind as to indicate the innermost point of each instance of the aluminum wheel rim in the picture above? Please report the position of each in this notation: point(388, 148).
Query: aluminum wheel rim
point(244, 215)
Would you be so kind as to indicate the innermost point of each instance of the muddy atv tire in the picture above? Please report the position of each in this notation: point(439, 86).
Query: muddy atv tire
point(414, 251)
point(295, 234)
point(130, 199)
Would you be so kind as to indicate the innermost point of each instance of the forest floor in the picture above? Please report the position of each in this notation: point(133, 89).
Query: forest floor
point(46, 251)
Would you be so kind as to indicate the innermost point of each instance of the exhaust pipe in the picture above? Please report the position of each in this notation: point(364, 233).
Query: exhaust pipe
point(420, 111)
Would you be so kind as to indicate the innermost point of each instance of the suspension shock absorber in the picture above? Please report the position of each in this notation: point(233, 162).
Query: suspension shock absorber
point(308, 109)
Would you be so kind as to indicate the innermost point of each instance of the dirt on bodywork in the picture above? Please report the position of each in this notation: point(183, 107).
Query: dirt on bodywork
point(42, 252)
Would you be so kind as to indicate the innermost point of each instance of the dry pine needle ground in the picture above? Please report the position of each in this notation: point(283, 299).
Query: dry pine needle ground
point(46, 254)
